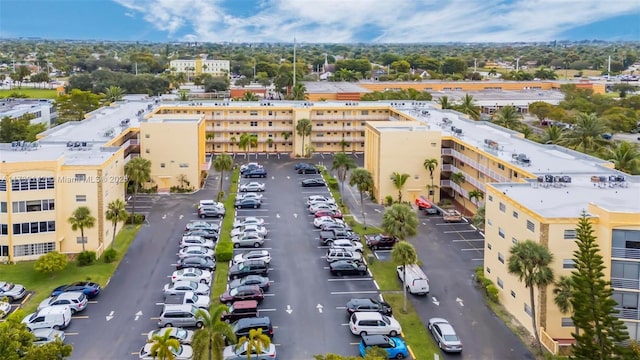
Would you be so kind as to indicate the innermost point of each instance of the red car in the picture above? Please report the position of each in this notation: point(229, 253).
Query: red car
point(336, 214)
point(423, 203)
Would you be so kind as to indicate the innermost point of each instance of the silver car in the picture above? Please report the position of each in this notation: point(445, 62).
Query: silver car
point(190, 240)
point(249, 220)
point(182, 335)
point(253, 186)
point(76, 301)
point(247, 239)
point(5, 309)
point(261, 230)
point(12, 291)
point(46, 335)
point(444, 335)
point(234, 352)
point(182, 286)
point(253, 255)
point(195, 251)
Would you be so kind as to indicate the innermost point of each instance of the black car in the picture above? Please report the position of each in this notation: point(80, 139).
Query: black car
point(207, 234)
point(368, 305)
point(301, 166)
point(248, 204)
point(241, 327)
point(380, 241)
point(309, 170)
point(257, 172)
point(313, 182)
point(347, 267)
point(249, 267)
point(245, 292)
point(261, 281)
point(249, 167)
point(430, 211)
point(90, 289)
point(198, 262)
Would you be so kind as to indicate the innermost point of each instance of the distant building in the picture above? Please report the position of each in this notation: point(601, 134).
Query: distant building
point(43, 110)
point(201, 66)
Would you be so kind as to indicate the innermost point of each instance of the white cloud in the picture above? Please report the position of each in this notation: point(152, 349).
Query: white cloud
point(335, 21)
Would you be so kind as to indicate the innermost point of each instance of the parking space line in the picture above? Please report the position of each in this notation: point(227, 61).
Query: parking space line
point(356, 343)
point(71, 333)
point(472, 249)
point(266, 310)
point(451, 223)
point(478, 259)
point(458, 231)
point(354, 279)
point(347, 324)
point(269, 294)
point(341, 308)
point(92, 302)
point(155, 318)
point(265, 210)
point(354, 292)
point(159, 304)
point(383, 251)
point(470, 240)
point(80, 317)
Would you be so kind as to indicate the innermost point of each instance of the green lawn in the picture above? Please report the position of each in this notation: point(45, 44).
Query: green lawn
point(29, 92)
point(41, 285)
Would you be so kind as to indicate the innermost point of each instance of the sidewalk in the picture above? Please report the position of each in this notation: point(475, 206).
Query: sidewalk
point(373, 212)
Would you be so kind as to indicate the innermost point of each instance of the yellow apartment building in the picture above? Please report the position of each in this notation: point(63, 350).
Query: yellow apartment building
point(200, 66)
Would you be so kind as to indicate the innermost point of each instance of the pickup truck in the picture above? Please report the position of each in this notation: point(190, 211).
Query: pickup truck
point(451, 215)
point(337, 234)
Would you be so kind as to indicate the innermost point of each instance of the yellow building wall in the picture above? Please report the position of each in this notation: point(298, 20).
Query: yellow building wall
point(457, 85)
point(198, 66)
point(299, 148)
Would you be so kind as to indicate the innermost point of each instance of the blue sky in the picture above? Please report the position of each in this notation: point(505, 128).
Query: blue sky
point(322, 21)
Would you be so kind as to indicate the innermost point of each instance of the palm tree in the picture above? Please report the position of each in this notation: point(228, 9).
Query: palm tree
point(256, 342)
point(398, 181)
point(285, 135)
point(469, 107)
point(222, 163)
point(430, 165)
point(299, 92)
point(444, 103)
point(113, 93)
point(475, 196)
point(342, 164)
point(138, 171)
point(404, 254)
point(245, 142)
point(362, 179)
point(183, 95)
point(625, 156)
point(343, 143)
point(163, 346)
point(249, 96)
point(458, 179)
point(562, 295)
point(508, 117)
point(526, 130)
point(209, 340)
point(553, 135)
point(232, 140)
point(587, 134)
point(303, 128)
point(530, 261)
point(116, 212)
point(81, 218)
point(400, 221)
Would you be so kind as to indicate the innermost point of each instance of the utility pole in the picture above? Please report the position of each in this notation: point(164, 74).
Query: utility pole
point(608, 68)
point(517, 64)
point(294, 61)
point(475, 65)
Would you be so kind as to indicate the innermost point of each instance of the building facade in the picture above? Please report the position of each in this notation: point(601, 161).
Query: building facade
point(42, 111)
point(199, 66)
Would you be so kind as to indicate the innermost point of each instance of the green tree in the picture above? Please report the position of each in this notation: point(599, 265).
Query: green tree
point(361, 178)
point(51, 262)
point(404, 254)
point(508, 117)
point(478, 218)
point(400, 221)
point(430, 165)
point(246, 141)
point(587, 134)
point(164, 346)
point(209, 340)
point(540, 109)
point(601, 333)
point(81, 219)
point(222, 163)
point(138, 172)
point(76, 104)
point(341, 165)
point(299, 92)
point(16, 342)
point(458, 179)
point(475, 196)
point(530, 261)
point(19, 129)
point(116, 212)
point(468, 106)
point(553, 135)
point(18, 76)
point(256, 342)
point(249, 96)
point(444, 103)
point(399, 180)
point(232, 141)
point(562, 294)
point(285, 136)
point(625, 156)
point(303, 128)
point(55, 350)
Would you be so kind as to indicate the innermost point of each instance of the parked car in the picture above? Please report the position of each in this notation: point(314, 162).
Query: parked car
point(249, 220)
point(248, 204)
point(240, 310)
point(249, 267)
point(336, 254)
point(192, 274)
point(183, 352)
point(260, 230)
point(371, 323)
point(316, 182)
point(338, 224)
point(322, 206)
point(211, 211)
point(253, 255)
point(188, 298)
point(47, 335)
point(347, 267)
point(195, 251)
point(309, 170)
point(327, 237)
point(445, 335)
point(180, 316)
point(347, 245)
point(182, 286)
point(90, 289)
point(198, 262)
point(183, 336)
point(210, 203)
point(380, 241)
point(431, 211)
point(247, 239)
point(299, 166)
point(243, 326)
point(234, 352)
point(255, 196)
point(5, 309)
point(323, 220)
point(12, 291)
point(253, 186)
point(368, 305)
point(336, 214)
point(76, 301)
point(261, 281)
point(423, 203)
point(395, 347)
point(255, 173)
point(54, 317)
point(249, 166)
point(245, 292)
point(196, 240)
point(202, 225)
point(206, 234)
point(320, 198)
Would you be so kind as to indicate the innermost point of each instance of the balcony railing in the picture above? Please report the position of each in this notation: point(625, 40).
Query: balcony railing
point(467, 177)
point(631, 314)
point(625, 253)
point(474, 164)
point(621, 283)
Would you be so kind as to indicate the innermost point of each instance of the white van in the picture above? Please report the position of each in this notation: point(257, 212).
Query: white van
point(55, 317)
point(416, 281)
point(373, 323)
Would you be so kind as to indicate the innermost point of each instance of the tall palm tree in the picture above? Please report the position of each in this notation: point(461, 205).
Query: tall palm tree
point(246, 141)
point(625, 156)
point(341, 165)
point(468, 106)
point(444, 103)
point(458, 179)
point(299, 92)
point(362, 179)
point(116, 212)
point(138, 171)
point(285, 136)
point(475, 196)
point(249, 96)
point(256, 342)
point(81, 218)
point(430, 165)
point(553, 135)
point(113, 93)
point(562, 295)
point(400, 221)
point(587, 134)
point(232, 140)
point(209, 340)
point(222, 163)
point(526, 130)
point(508, 117)
point(163, 346)
point(398, 181)
point(303, 128)
point(530, 261)
point(404, 254)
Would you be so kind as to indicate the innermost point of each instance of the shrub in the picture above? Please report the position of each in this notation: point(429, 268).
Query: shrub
point(492, 293)
point(333, 184)
point(388, 200)
point(51, 262)
point(109, 255)
point(86, 258)
point(479, 274)
point(135, 219)
point(486, 282)
point(224, 251)
point(220, 196)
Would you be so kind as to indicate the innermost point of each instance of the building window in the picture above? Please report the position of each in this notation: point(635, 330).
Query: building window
point(81, 198)
point(254, 123)
point(531, 226)
point(489, 222)
point(162, 165)
point(513, 294)
point(500, 283)
point(32, 206)
point(147, 136)
point(502, 207)
point(148, 151)
point(570, 234)
point(568, 264)
point(527, 309)
point(4, 229)
point(253, 113)
point(567, 322)
point(365, 112)
point(514, 240)
point(3, 207)
point(270, 123)
point(489, 246)
point(3, 185)
point(184, 165)
point(490, 197)
point(515, 214)
point(500, 166)
point(25, 184)
point(488, 270)
point(81, 177)
point(33, 249)
point(501, 258)
point(501, 232)
point(34, 227)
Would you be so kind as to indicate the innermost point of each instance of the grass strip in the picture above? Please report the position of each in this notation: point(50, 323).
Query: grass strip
point(30, 92)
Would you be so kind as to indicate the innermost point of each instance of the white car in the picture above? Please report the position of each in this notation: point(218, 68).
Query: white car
point(317, 202)
point(184, 352)
point(183, 286)
point(320, 198)
point(235, 352)
point(252, 195)
point(192, 274)
point(182, 335)
point(322, 206)
point(249, 220)
point(261, 230)
point(195, 251)
point(189, 240)
point(253, 255)
point(253, 186)
point(347, 245)
point(5, 309)
point(319, 221)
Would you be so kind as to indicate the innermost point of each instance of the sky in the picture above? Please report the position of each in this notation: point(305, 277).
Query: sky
point(322, 21)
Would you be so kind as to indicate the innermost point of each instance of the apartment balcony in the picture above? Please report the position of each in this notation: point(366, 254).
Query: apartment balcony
point(455, 187)
point(337, 138)
point(625, 253)
point(629, 314)
point(131, 156)
point(467, 177)
point(334, 127)
point(621, 283)
point(474, 164)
